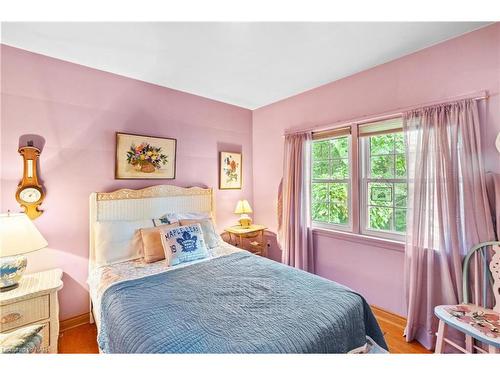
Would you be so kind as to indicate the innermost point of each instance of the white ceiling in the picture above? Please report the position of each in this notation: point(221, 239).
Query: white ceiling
point(246, 64)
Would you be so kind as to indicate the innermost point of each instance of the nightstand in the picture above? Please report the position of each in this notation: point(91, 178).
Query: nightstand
point(255, 233)
point(34, 302)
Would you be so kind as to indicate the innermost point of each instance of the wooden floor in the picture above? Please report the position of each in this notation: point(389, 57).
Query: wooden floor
point(83, 339)
point(393, 327)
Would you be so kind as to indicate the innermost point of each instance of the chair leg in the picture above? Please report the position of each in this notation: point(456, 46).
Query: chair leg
point(440, 337)
point(469, 341)
point(492, 349)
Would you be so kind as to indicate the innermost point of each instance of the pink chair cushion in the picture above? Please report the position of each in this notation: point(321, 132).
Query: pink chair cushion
point(473, 320)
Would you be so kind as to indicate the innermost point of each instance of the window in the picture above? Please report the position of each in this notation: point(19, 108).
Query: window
point(384, 187)
point(330, 185)
point(380, 186)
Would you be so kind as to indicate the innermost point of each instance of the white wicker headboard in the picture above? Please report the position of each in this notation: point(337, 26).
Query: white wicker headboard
point(148, 203)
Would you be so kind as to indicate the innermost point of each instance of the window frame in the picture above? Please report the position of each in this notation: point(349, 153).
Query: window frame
point(348, 227)
point(357, 183)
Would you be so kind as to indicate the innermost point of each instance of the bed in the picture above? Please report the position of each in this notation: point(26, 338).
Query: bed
point(231, 302)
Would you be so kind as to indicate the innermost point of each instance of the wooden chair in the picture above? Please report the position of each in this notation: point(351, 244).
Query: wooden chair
point(475, 320)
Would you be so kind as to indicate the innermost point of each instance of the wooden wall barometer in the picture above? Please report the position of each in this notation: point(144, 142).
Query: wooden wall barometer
point(30, 193)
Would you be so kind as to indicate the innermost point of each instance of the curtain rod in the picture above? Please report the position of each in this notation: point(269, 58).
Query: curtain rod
point(477, 96)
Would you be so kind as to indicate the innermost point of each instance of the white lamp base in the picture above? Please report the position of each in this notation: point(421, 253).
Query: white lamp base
point(11, 271)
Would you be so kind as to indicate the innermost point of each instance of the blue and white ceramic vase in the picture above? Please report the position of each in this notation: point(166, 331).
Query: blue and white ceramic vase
point(11, 270)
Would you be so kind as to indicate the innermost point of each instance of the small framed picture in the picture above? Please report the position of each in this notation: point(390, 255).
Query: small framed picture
point(230, 170)
point(144, 157)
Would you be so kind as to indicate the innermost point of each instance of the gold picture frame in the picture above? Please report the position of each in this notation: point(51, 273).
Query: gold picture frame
point(144, 157)
point(230, 170)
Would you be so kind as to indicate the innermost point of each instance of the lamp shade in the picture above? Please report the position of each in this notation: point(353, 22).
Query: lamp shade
point(243, 207)
point(18, 235)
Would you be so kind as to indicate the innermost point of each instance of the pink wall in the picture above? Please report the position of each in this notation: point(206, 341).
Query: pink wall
point(459, 66)
point(78, 110)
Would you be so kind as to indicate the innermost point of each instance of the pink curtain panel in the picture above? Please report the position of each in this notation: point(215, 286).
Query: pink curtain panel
point(448, 208)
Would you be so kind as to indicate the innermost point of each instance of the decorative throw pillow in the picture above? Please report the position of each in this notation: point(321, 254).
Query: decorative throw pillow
point(22, 340)
point(174, 217)
point(207, 226)
point(151, 242)
point(184, 244)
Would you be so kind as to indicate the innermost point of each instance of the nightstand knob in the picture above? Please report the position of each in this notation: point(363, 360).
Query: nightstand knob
point(9, 318)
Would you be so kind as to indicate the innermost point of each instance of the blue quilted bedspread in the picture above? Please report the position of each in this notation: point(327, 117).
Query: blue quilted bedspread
point(238, 303)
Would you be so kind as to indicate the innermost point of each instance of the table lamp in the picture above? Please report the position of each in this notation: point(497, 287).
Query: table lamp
point(18, 235)
point(243, 208)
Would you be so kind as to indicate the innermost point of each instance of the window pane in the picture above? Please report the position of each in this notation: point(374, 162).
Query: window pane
point(384, 184)
point(321, 169)
point(330, 163)
point(401, 166)
point(340, 169)
point(338, 192)
point(380, 218)
point(382, 144)
point(339, 147)
point(320, 150)
point(320, 211)
point(382, 166)
point(399, 140)
point(400, 220)
point(380, 194)
point(319, 192)
point(401, 193)
point(338, 213)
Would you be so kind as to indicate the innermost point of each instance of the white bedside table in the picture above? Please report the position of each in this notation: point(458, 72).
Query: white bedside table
point(34, 302)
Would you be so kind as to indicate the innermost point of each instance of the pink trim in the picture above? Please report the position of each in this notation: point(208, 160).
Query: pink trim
point(360, 238)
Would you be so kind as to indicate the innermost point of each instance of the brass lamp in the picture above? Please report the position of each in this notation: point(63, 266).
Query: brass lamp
point(243, 208)
point(18, 235)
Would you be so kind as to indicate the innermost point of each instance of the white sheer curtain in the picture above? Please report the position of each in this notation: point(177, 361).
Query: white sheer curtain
point(294, 235)
point(448, 208)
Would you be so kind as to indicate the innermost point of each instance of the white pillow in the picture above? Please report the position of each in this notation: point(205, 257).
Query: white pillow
point(174, 217)
point(118, 241)
point(207, 226)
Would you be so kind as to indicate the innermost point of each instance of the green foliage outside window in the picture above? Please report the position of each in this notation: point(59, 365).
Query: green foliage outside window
point(330, 202)
point(330, 166)
point(387, 200)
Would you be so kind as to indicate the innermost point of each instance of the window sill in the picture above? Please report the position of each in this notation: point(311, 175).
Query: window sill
point(360, 238)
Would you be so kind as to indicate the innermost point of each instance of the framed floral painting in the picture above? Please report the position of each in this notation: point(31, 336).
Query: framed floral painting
point(144, 157)
point(230, 174)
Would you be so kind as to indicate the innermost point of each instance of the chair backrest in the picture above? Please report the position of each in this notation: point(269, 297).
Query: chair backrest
point(485, 275)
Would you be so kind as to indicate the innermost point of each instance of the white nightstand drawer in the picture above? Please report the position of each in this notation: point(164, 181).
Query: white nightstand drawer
point(24, 312)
